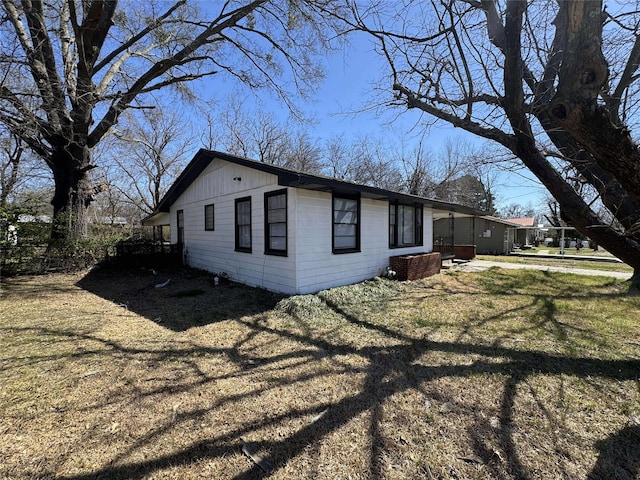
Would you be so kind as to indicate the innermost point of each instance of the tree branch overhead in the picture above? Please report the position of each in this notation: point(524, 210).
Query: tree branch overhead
point(533, 77)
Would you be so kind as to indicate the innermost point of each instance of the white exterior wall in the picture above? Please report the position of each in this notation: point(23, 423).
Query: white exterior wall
point(310, 265)
point(214, 251)
point(318, 268)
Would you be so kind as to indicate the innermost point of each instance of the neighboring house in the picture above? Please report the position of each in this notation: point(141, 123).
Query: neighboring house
point(526, 232)
point(27, 218)
point(288, 231)
point(488, 234)
point(108, 220)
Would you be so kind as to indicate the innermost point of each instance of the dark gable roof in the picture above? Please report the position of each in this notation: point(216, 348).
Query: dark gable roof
point(291, 178)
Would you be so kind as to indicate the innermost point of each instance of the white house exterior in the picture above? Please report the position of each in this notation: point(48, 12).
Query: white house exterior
point(288, 231)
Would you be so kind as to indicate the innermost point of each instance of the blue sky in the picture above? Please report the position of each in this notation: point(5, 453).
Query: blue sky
point(350, 87)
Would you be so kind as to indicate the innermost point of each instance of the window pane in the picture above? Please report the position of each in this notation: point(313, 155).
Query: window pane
point(407, 215)
point(276, 223)
point(244, 215)
point(277, 201)
point(279, 215)
point(344, 204)
point(344, 230)
point(392, 225)
point(278, 229)
point(278, 243)
point(408, 226)
point(344, 242)
point(345, 217)
point(407, 235)
point(244, 236)
point(243, 224)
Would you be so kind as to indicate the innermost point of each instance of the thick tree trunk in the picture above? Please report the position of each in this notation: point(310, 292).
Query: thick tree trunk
point(574, 210)
point(73, 193)
point(613, 196)
point(576, 108)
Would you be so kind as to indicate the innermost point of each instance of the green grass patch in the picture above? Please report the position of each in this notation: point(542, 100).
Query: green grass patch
point(560, 262)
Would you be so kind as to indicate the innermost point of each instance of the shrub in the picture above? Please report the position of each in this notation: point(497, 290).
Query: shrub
point(26, 246)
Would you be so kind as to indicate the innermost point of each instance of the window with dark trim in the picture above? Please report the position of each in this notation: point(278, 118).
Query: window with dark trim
point(405, 225)
point(243, 224)
point(180, 225)
point(346, 224)
point(275, 223)
point(208, 218)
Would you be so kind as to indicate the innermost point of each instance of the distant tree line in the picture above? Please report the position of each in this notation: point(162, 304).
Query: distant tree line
point(149, 149)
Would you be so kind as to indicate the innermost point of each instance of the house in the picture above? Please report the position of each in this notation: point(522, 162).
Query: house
point(490, 235)
point(109, 220)
point(28, 218)
point(526, 232)
point(288, 231)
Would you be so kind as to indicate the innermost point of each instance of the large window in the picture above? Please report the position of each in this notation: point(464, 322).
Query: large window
point(243, 224)
point(405, 225)
point(208, 218)
point(275, 223)
point(346, 224)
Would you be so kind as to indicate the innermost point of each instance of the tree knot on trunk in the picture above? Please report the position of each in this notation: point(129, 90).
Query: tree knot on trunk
point(588, 77)
point(559, 111)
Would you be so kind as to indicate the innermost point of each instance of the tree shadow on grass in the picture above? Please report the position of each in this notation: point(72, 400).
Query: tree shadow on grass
point(619, 456)
point(390, 368)
point(189, 299)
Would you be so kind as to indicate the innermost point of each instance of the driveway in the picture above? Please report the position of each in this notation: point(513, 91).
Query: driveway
point(479, 265)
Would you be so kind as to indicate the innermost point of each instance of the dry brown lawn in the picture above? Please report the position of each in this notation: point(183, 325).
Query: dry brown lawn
point(499, 374)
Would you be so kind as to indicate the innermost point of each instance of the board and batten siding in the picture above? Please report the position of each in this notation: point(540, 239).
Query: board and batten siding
point(318, 268)
point(473, 232)
point(214, 251)
point(490, 243)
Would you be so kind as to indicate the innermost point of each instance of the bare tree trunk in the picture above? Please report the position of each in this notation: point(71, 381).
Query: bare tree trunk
point(73, 193)
point(582, 77)
point(573, 208)
point(9, 169)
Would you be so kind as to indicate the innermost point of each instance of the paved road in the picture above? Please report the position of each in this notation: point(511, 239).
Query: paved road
point(479, 265)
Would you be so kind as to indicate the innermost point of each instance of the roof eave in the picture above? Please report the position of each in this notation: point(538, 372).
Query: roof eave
point(292, 178)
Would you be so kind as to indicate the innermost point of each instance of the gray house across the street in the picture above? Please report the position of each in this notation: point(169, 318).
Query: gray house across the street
point(490, 235)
